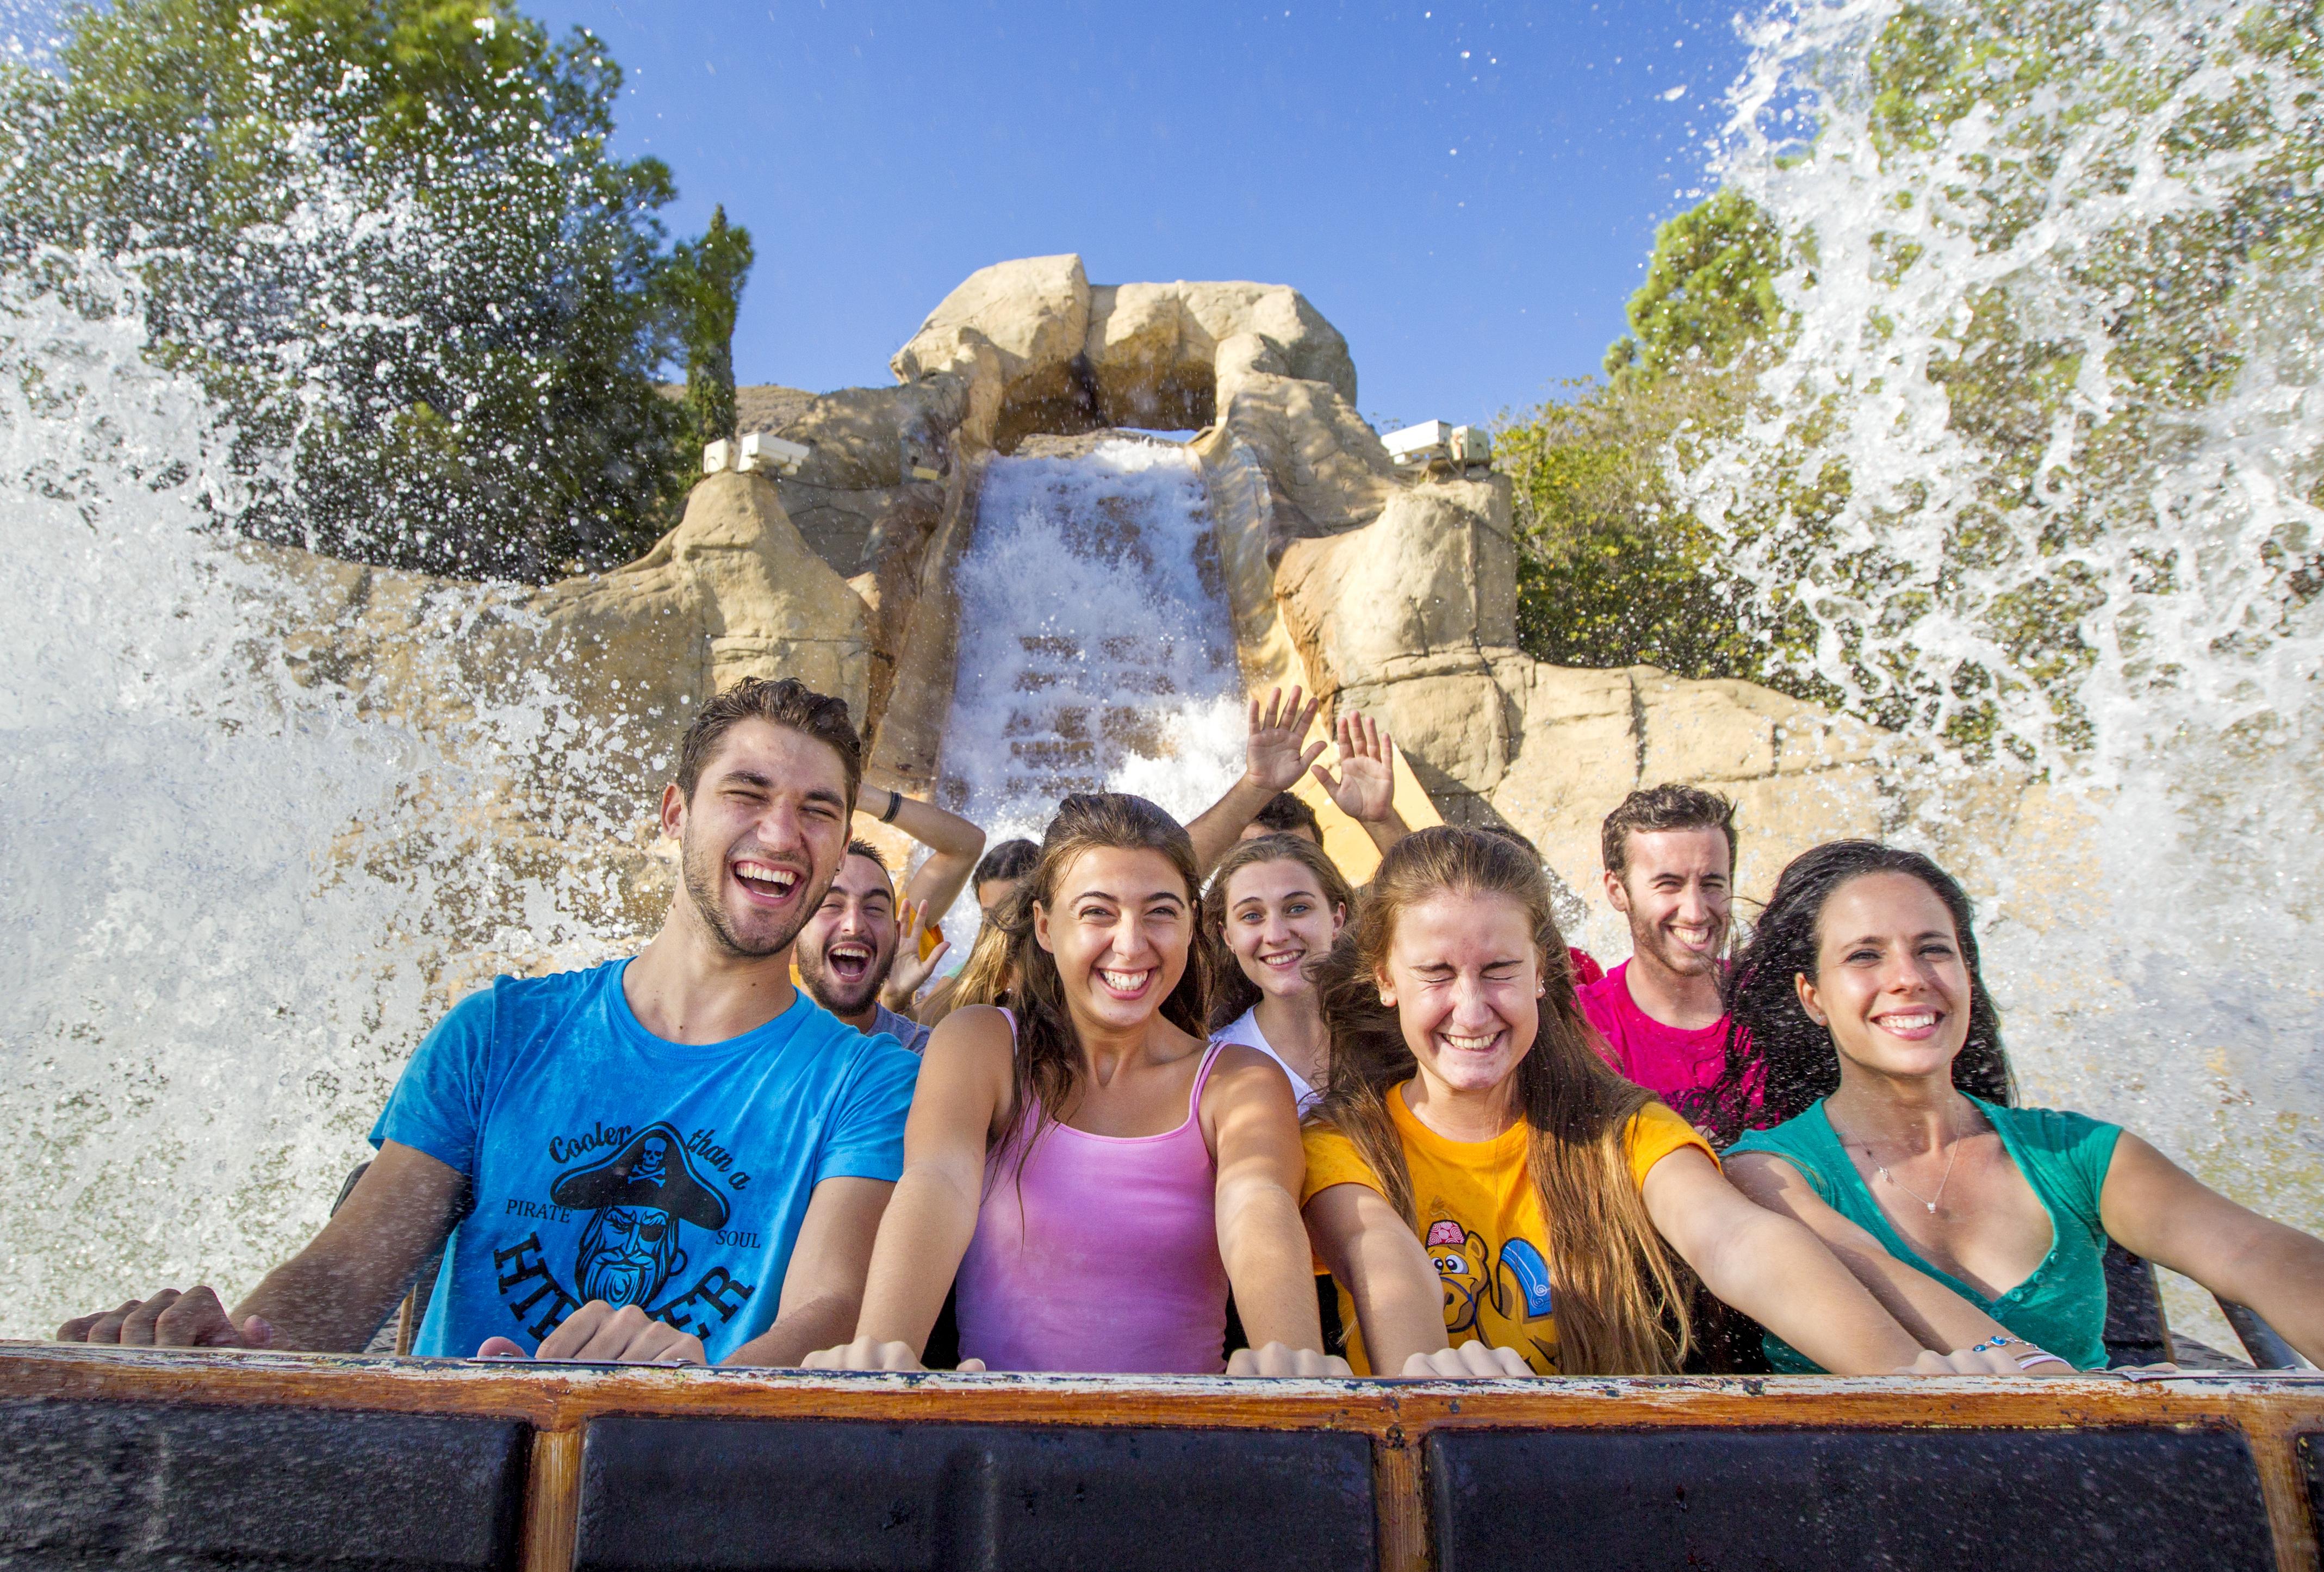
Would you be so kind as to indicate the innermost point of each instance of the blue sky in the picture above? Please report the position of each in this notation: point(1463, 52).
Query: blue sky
point(1467, 190)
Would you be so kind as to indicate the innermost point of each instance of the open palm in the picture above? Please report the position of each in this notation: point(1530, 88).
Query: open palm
point(1365, 787)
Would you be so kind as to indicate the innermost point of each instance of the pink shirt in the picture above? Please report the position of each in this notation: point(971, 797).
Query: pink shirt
point(1104, 1258)
point(1680, 1067)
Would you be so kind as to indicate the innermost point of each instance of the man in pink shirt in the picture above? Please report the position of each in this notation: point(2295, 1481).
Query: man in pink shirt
point(1670, 857)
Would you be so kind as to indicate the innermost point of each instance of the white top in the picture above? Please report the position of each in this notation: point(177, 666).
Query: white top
point(1244, 1029)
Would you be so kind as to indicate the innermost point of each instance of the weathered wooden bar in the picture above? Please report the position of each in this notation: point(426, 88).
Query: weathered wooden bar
point(152, 1459)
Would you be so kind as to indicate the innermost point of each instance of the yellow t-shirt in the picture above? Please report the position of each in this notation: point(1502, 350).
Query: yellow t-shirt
point(1480, 1219)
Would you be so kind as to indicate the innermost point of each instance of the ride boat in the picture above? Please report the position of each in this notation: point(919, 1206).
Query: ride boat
point(143, 1458)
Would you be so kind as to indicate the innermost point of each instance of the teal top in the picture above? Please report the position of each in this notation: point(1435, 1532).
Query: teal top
point(2063, 1156)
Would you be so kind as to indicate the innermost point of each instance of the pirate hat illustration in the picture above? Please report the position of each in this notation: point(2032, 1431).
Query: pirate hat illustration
point(651, 1171)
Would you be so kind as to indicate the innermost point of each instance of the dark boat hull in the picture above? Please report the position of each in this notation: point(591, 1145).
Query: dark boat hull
point(137, 1458)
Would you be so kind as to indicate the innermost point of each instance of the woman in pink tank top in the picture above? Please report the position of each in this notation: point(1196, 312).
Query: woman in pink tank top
point(1097, 1175)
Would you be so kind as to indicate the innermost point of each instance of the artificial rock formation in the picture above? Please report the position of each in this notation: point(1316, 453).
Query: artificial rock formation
point(1387, 592)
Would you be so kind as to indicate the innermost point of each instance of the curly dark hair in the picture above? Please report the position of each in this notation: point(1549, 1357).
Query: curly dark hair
point(1761, 998)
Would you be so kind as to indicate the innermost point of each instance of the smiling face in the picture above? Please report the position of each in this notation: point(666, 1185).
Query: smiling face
point(762, 835)
point(1465, 982)
point(1891, 984)
point(1119, 929)
point(1277, 920)
point(1674, 888)
point(847, 947)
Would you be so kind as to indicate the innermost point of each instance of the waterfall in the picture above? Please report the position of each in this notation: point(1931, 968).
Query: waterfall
point(1096, 652)
point(2039, 457)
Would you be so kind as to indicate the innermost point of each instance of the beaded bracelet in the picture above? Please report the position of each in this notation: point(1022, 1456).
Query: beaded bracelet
point(2003, 1341)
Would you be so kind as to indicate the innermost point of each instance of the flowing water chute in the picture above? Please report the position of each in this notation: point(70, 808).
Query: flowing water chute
point(1096, 651)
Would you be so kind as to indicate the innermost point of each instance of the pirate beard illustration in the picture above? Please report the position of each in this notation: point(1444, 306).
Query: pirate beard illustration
point(630, 1247)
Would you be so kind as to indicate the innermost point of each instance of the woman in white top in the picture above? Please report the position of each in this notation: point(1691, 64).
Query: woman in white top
point(1274, 907)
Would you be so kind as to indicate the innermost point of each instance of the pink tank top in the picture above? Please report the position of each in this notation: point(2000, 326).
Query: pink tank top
point(1105, 1260)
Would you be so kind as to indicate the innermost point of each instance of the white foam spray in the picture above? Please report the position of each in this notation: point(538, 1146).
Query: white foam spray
point(2056, 308)
point(1096, 652)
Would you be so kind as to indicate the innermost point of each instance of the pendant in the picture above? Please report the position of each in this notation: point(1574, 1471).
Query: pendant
point(1931, 1205)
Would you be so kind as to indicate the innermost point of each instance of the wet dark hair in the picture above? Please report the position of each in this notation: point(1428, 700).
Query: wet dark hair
point(859, 847)
point(1761, 998)
point(786, 702)
point(1011, 859)
point(1283, 814)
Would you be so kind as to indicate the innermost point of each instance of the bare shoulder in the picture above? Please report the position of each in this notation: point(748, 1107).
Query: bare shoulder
point(1245, 1078)
point(975, 1032)
point(1762, 1174)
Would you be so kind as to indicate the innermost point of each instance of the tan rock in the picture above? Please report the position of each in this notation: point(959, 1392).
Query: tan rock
point(1778, 816)
point(1033, 313)
point(1327, 467)
point(1433, 577)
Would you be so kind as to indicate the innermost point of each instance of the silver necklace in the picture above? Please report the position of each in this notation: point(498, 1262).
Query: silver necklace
point(1928, 1201)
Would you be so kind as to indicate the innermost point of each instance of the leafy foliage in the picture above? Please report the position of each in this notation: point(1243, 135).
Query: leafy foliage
point(705, 282)
point(1612, 570)
point(389, 237)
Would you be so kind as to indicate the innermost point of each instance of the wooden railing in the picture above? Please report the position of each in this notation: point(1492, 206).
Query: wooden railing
point(136, 1458)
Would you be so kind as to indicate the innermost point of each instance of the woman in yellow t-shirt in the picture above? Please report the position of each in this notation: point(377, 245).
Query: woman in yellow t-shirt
point(1492, 1198)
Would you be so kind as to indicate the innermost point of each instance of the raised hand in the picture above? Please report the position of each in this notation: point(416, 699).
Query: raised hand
point(1277, 1359)
point(1278, 753)
point(911, 968)
point(1365, 787)
point(170, 1319)
point(864, 1353)
point(600, 1334)
point(1469, 1361)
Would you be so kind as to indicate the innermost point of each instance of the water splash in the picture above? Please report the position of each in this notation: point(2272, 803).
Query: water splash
point(2040, 460)
point(1096, 652)
point(232, 897)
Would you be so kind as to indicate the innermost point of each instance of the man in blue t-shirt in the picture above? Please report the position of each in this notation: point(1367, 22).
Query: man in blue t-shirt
point(673, 1157)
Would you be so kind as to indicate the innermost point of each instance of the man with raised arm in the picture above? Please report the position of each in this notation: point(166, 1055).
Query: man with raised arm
point(858, 955)
point(1276, 756)
point(1669, 860)
point(674, 1157)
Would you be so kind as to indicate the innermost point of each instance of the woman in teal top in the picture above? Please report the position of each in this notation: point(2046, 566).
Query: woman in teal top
point(1975, 1223)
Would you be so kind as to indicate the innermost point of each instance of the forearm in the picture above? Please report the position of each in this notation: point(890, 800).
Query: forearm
point(824, 1321)
point(1388, 829)
point(2280, 1276)
point(321, 1303)
point(1215, 830)
point(1778, 1274)
point(1265, 1248)
point(954, 845)
point(922, 1239)
point(1930, 1313)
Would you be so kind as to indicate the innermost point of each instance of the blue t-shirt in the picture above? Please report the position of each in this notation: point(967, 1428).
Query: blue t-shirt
point(608, 1164)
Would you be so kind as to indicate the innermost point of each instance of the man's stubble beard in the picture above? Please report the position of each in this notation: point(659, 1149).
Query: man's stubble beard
point(1679, 962)
point(702, 891)
point(831, 993)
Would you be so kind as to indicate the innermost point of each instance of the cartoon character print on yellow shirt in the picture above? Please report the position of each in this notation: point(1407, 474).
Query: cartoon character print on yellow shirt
point(1480, 1221)
point(1515, 1293)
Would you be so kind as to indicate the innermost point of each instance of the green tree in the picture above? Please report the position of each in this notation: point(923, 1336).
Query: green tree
point(705, 282)
point(1709, 291)
point(389, 237)
point(1612, 571)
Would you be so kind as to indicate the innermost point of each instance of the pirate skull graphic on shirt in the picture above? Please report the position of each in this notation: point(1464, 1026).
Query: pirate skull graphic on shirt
point(632, 1246)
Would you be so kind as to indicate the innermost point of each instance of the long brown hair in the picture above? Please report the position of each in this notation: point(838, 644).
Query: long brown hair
point(1048, 1060)
point(1232, 991)
point(1621, 1291)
